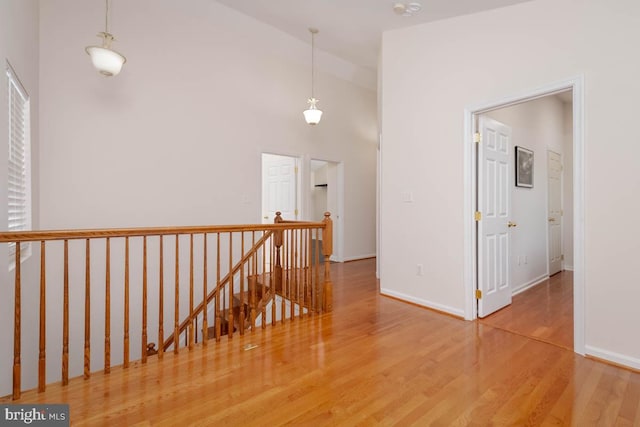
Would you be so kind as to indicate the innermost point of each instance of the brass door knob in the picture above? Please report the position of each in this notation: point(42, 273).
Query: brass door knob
point(512, 224)
point(552, 220)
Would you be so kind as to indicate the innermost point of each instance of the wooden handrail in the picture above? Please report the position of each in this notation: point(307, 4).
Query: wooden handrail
point(46, 235)
point(284, 248)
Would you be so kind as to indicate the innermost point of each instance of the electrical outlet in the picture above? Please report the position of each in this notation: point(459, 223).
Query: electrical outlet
point(419, 270)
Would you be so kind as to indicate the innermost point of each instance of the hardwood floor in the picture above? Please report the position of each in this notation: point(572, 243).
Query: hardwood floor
point(544, 312)
point(373, 361)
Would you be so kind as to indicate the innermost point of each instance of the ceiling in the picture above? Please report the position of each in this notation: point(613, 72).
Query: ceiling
point(351, 29)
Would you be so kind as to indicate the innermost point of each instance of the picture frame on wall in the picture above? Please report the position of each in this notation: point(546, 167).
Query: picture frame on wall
point(524, 167)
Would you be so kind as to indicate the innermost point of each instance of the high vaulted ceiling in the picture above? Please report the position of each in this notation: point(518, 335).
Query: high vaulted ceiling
point(351, 29)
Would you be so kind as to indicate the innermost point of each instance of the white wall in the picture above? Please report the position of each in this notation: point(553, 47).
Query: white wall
point(432, 72)
point(537, 125)
point(204, 92)
point(18, 45)
point(177, 137)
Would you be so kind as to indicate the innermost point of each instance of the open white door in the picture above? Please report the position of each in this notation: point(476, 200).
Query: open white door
point(554, 176)
point(279, 187)
point(494, 205)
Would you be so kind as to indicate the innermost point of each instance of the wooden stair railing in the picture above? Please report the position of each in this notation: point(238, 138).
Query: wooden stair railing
point(221, 283)
point(77, 265)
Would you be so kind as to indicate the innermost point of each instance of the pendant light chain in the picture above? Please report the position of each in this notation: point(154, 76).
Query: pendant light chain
point(106, 17)
point(313, 35)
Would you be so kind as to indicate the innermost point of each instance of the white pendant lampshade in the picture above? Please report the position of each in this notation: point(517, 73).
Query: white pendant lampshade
point(313, 114)
point(106, 60)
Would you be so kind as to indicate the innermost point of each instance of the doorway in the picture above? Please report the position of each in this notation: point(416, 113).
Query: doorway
point(472, 240)
point(326, 192)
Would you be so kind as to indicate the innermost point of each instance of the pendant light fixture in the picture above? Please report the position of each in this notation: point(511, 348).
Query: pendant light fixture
point(107, 61)
point(312, 115)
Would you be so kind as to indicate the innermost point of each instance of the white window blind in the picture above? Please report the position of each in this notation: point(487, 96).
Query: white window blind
point(19, 166)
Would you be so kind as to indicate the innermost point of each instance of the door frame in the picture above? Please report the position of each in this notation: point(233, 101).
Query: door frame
point(576, 84)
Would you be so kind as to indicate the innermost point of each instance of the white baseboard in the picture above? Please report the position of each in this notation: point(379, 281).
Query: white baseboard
point(424, 303)
point(567, 267)
point(358, 257)
point(530, 284)
point(610, 356)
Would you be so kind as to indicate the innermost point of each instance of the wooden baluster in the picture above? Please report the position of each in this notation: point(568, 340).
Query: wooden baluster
point(264, 283)
point(161, 302)
point(217, 308)
point(294, 271)
point(87, 310)
point(291, 271)
point(42, 356)
point(144, 300)
point(176, 300)
point(107, 308)
point(191, 327)
point(241, 316)
point(285, 275)
point(311, 271)
point(17, 371)
point(205, 325)
point(327, 250)
point(304, 262)
point(230, 286)
point(277, 270)
point(307, 297)
point(65, 318)
point(301, 270)
point(273, 277)
point(125, 362)
point(316, 287)
point(254, 284)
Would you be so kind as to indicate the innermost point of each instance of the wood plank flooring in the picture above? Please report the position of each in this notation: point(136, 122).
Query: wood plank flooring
point(544, 312)
point(373, 361)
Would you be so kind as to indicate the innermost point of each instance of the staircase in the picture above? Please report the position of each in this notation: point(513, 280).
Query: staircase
point(244, 276)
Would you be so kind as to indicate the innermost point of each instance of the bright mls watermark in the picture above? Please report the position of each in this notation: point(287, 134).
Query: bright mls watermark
point(34, 415)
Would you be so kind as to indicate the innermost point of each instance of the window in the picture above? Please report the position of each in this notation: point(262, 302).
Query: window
point(19, 165)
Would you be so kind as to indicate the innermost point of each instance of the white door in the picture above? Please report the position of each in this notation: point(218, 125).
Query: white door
point(279, 187)
point(494, 205)
point(554, 176)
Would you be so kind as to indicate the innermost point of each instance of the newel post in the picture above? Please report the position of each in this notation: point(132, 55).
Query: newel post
point(327, 250)
point(277, 240)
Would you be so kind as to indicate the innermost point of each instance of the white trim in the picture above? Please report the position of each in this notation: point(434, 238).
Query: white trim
point(469, 271)
point(576, 84)
point(424, 303)
point(610, 356)
point(567, 267)
point(530, 284)
point(356, 257)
